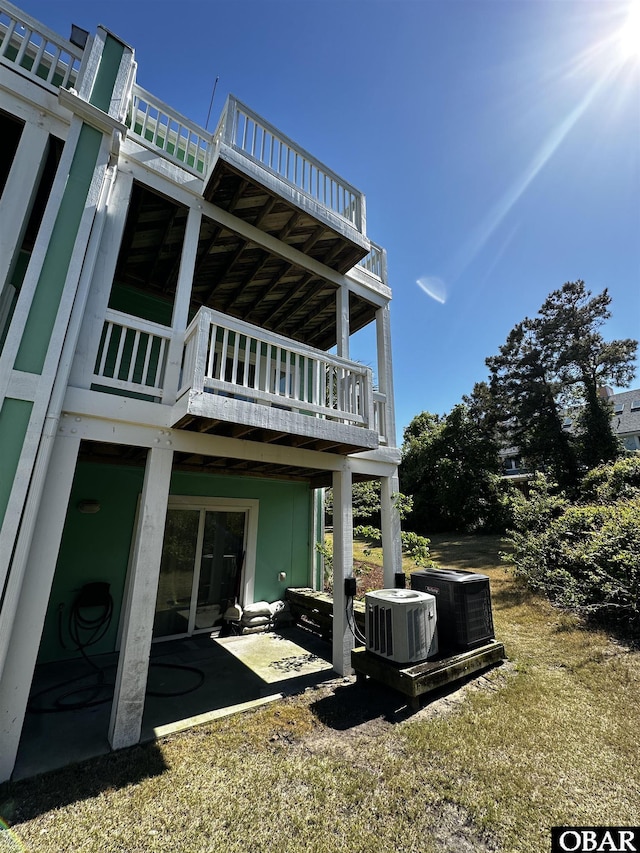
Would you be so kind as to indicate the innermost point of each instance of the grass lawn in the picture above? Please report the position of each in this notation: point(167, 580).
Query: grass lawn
point(549, 739)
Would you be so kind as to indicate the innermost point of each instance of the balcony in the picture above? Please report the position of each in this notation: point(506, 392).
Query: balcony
point(264, 178)
point(242, 381)
point(35, 52)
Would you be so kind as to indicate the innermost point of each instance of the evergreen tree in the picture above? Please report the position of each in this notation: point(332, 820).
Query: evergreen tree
point(558, 359)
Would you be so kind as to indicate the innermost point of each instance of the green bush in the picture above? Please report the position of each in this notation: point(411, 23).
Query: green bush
point(608, 483)
point(584, 556)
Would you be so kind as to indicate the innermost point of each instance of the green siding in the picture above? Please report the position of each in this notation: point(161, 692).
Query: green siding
point(283, 525)
point(46, 300)
point(93, 548)
point(14, 419)
point(139, 304)
point(102, 91)
point(96, 547)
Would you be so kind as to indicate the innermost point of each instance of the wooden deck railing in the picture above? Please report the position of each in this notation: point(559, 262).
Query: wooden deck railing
point(229, 357)
point(160, 127)
point(35, 51)
point(132, 355)
point(245, 131)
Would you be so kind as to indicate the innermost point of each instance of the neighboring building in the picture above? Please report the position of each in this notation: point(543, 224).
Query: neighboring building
point(625, 417)
point(170, 304)
point(625, 422)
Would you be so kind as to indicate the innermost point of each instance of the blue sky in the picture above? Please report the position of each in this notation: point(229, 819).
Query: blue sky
point(497, 143)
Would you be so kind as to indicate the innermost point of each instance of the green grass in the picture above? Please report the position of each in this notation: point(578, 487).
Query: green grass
point(550, 738)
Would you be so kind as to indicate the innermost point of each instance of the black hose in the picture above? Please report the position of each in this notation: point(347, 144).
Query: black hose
point(86, 630)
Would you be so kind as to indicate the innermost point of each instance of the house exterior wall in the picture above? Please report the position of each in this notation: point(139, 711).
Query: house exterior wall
point(78, 164)
point(96, 547)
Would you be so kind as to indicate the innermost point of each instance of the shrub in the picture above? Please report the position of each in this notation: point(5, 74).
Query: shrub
point(611, 482)
point(585, 557)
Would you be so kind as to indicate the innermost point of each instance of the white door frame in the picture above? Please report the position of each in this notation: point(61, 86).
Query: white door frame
point(250, 508)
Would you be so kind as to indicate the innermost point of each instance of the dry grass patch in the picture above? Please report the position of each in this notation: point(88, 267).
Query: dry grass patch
point(548, 739)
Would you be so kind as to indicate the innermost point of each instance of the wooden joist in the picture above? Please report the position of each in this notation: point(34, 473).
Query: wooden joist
point(421, 678)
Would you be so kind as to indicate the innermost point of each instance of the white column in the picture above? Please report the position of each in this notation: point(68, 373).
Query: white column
point(343, 640)
point(34, 598)
point(390, 524)
point(19, 193)
point(385, 370)
point(181, 304)
point(103, 273)
point(133, 662)
point(316, 568)
point(342, 321)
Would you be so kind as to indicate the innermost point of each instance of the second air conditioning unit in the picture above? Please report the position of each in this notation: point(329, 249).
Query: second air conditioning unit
point(400, 625)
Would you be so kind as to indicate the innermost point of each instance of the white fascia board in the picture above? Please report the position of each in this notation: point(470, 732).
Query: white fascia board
point(271, 418)
point(151, 168)
point(120, 420)
point(26, 100)
point(89, 114)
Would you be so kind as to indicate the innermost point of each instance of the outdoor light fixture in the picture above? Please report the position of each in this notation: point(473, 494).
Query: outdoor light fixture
point(89, 506)
point(78, 36)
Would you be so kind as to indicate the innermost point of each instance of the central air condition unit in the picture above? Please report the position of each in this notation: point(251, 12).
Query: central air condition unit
point(463, 600)
point(400, 625)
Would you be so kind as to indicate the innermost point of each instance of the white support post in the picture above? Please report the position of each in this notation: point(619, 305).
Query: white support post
point(342, 321)
point(385, 371)
point(343, 639)
point(19, 194)
point(316, 567)
point(23, 648)
point(104, 271)
point(390, 522)
point(133, 663)
point(181, 304)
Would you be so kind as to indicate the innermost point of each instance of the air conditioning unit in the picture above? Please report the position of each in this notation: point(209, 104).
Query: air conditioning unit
point(463, 600)
point(400, 625)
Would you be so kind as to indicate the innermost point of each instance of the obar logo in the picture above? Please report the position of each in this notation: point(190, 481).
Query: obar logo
point(595, 839)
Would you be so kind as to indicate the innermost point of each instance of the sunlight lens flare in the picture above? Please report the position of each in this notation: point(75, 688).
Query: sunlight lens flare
point(629, 36)
point(9, 841)
point(433, 287)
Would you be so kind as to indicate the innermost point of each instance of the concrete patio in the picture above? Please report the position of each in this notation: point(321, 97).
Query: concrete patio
point(191, 681)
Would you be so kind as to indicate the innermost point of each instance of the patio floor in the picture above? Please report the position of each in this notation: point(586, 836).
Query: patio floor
point(200, 678)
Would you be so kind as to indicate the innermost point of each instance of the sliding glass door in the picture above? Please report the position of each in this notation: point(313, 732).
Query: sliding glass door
point(201, 570)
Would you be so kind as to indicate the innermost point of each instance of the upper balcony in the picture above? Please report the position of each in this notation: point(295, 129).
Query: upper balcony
point(264, 178)
point(36, 52)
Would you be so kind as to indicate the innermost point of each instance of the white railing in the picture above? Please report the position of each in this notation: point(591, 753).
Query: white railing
point(132, 355)
point(232, 358)
point(35, 51)
point(380, 415)
point(375, 263)
point(157, 126)
point(245, 131)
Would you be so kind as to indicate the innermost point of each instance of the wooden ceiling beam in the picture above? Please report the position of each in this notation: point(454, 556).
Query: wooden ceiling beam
point(233, 260)
point(271, 286)
point(158, 248)
point(304, 281)
point(266, 210)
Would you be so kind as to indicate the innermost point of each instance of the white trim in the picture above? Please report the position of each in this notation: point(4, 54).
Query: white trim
point(139, 607)
point(24, 642)
point(343, 639)
point(18, 196)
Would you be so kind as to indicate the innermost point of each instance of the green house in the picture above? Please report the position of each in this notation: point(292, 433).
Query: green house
point(176, 390)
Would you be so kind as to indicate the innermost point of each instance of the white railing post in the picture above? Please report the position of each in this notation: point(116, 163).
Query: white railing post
point(200, 352)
